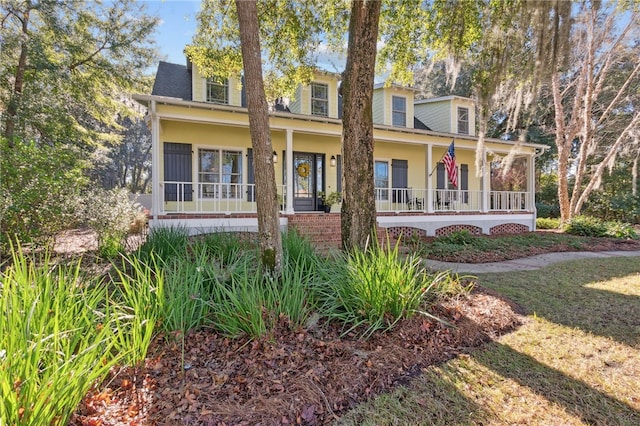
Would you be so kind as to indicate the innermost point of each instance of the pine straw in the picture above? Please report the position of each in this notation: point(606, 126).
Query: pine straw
point(306, 376)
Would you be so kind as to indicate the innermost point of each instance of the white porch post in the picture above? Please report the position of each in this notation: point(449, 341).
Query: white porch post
point(157, 206)
point(289, 167)
point(485, 182)
point(429, 183)
point(531, 185)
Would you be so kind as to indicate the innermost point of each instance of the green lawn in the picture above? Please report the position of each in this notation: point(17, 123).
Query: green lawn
point(575, 360)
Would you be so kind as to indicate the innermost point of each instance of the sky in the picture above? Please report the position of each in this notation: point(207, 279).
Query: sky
point(177, 26)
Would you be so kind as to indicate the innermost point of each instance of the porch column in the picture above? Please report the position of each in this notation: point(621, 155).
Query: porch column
point(531, 184)
point(156, 203)
point(429, 184)
point(485, 182)
point(289, 167)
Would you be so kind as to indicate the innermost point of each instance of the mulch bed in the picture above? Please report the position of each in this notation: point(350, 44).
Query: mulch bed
point(306, 376)
point(515, 252)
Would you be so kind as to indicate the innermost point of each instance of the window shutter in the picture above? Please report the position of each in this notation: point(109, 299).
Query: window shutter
point(177, 168)
point(399, 179)
point(464, 182)
point(251, 178)
point(440, 176)
point(339, 172)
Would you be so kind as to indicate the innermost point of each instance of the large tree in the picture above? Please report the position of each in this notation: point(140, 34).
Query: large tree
point(64, 65)
point(594, 92)
point(358, 201)
point(269, 238)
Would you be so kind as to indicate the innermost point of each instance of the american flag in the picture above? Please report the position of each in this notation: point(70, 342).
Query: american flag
point(449, 161)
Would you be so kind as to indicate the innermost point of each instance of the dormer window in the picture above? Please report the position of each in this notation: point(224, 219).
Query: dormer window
point(218, 91)
point(399, 111)
point(320, 99)
point(463, 121)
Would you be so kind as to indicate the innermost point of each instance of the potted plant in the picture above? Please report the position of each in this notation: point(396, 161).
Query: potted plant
point(330, 199)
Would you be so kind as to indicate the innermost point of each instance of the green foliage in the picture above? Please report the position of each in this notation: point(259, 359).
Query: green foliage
point(111, 214)
point(38, 186)
point(614, 202)
point(547, 223)
point(372, 290)
point(590, 226)
point(462, 237)
point(586, 226)
point(80, 57)
point(165, 243)
point(549, 211)
point(139, 306)
point(55, 340)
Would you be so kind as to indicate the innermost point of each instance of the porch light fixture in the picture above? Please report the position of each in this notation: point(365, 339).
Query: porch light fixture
point(275, 157)
point(332, 161)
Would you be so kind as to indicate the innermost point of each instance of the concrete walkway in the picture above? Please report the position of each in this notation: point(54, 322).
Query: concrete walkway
point(524, 264)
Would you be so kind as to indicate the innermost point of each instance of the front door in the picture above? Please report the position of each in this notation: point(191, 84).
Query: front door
point(308, 180)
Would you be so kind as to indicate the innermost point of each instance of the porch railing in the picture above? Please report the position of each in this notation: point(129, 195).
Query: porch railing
point(188, 197)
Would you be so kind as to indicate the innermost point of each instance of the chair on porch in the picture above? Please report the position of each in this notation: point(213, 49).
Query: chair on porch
point(415, 200)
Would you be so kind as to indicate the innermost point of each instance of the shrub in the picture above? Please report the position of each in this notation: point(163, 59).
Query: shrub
point(111, 214)
point(620, 230)
point(586, 226)
point(547, 223)
point(547, 210)
point(373, 289)
point(38, 185)
point(461, 238)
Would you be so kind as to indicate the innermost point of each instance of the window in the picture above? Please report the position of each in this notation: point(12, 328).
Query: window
point(319, 99)
point(399, 111)
point(220, 173)
point(218, 91)
point(463, 121)
point(381, 179)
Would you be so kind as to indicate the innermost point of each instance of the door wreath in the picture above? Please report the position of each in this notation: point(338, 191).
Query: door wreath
point(303, 170)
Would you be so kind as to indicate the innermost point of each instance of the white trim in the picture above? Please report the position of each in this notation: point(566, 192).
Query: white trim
point(306, 117)
point(195, 166)
point(431, 223)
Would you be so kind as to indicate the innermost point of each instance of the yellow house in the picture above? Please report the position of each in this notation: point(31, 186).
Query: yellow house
point(203, 173)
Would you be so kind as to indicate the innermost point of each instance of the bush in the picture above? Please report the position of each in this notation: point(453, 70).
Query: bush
point(586, 226)
point(38, 187)
point(593, 227)
point(460, 238)
point(547, 210)
point(547, 223)
point(621, 230)
point(111, 214)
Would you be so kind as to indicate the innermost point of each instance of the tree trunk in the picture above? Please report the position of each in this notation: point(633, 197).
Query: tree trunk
point(358, 219)
point(14, 102)
point(634, 175)
point(270, 240)
point(597, 175)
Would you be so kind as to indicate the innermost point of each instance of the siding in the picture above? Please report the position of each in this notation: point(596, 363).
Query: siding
point(378, 106)
point(295, 105)
point(436, 115)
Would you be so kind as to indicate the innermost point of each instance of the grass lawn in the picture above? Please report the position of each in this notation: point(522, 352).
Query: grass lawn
point(575, 360)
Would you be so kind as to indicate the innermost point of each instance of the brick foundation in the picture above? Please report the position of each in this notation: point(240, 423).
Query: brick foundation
point(509, 228)
point(322, 229)
point(446, 230)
